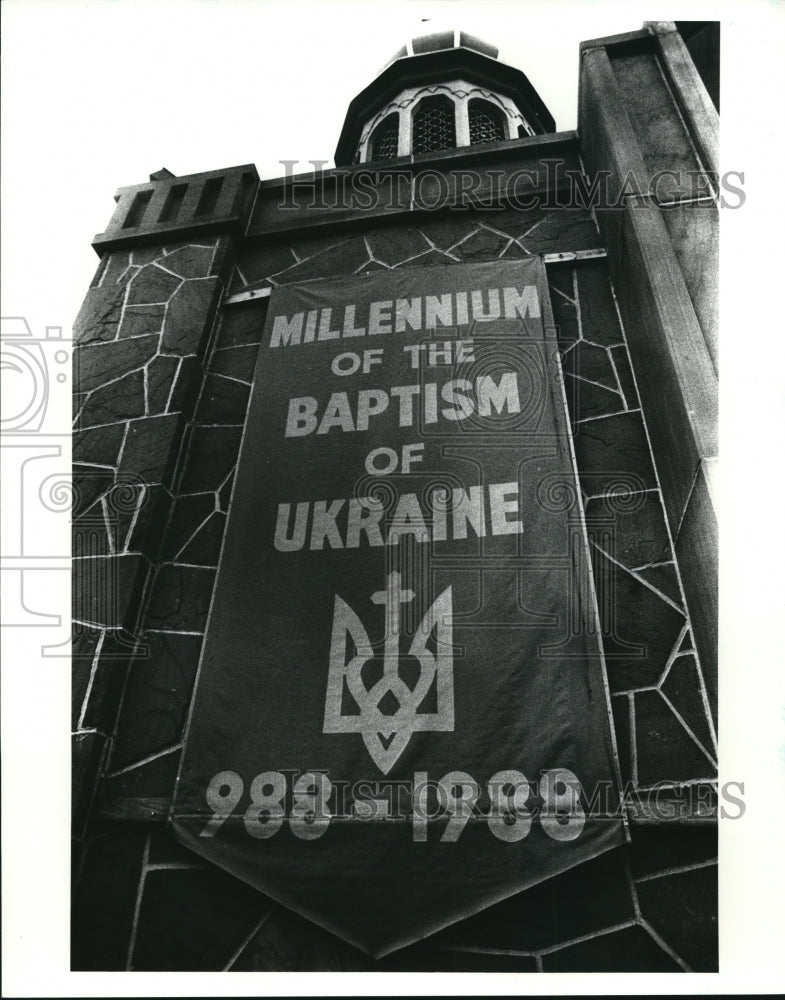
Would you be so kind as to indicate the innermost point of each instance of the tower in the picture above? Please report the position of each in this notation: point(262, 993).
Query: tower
point(446, 160)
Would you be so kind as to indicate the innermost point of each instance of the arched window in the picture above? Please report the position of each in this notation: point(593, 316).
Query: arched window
point(433, 125)
point(486, 123)
point(384, 142)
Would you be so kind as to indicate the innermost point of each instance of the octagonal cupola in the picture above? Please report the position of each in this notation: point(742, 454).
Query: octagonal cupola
point(440, 91)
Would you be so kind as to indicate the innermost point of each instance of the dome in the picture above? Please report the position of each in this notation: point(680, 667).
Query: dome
point(443, 90)
point(438, 41)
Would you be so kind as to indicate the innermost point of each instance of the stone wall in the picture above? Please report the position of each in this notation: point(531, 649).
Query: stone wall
point(165, 373)
point(647, 120)
point(167, 342)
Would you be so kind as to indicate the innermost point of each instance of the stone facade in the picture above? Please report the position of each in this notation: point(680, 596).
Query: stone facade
point(167, 343)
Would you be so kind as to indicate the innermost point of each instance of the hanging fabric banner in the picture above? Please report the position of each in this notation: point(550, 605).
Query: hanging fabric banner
point(401, 714)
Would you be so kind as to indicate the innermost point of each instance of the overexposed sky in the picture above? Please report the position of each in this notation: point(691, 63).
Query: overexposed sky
point(97, 94)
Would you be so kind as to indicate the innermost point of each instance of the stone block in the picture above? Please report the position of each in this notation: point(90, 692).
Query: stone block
point(287, 942)
point(514, 252)
point(695, 90)
point(608, 141)
point(223, 258)
point(599, 319)
point(164, 849)
point(97, 364)
point(620, 705)
point(677, 383)
point(142, 793)
point(423, 959)
point(671, 845)
point(563, 302)
point(211, 457)
point(483, 244)
point(91, 533)
point(186, 387)
point(189, 317)
point(259, 262)
point(122, 399)
point(105, 898)
point(682, 909)
point(636, 524)
point(121, 505)
point(99, 446)
point(664, 749)
point(161, 372)
point(88, 484)
point(561, 231)
point(343, 258)
point(655, 119)
point(631, 949)
point(224, 494)
point(146, 255)
point(391, 245)
point(664, 580)
point(612, 450)
point(697, 556)
point(223, 401)
point(84, 643)
point(694, 228)
point(99, 315)
point(236, 362)
point(193, 920)
point(242, 324)
point(189, 514)
point(621, 362)
point(190, 261)
point(682, 687)
point(143, 529)
point(140, 320)
point(108, 589)
point(433, 258)
point(586, 399)
point(152, 285)
point(151, 448)
point(87, 750)
point(109, 675)
point(590, 362)
point(516, 222)
point(78, 400)
point(180, 598)
point(447, 229)
point(157, 696)
point(114, 268)
point(639, 629)
point(205, 547)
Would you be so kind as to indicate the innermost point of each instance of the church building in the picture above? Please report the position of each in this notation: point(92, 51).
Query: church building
point(394, 537)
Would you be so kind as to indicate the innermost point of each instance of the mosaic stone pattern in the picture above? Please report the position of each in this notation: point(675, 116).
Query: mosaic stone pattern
point(144, 903)
point(141, 340)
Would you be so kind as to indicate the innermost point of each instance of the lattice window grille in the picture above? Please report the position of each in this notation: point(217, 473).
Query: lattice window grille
point(384, 145)
point(485, 123)
point(433, 126)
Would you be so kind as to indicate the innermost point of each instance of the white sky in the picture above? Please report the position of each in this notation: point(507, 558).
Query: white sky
point(98, 94)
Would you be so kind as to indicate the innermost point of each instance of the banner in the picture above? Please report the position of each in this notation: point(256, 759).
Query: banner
point(401, 714)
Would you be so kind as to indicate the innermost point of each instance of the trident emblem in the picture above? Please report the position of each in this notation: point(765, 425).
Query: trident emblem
point(386, 733)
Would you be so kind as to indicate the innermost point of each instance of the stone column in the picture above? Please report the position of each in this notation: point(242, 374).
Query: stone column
point(661, 229)
point(141, 338)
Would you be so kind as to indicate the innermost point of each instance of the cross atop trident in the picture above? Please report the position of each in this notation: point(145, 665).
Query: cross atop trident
point(386, 731)
point(393, 597)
